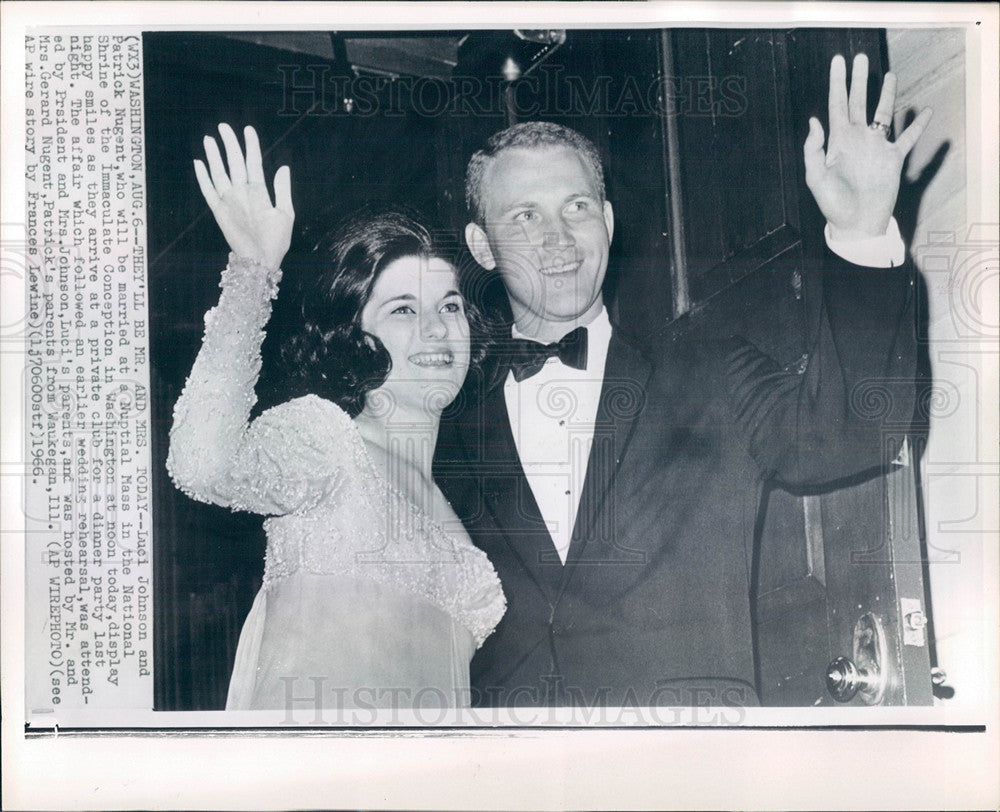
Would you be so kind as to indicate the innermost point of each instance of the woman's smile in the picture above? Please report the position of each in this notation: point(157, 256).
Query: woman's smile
point(432, 359)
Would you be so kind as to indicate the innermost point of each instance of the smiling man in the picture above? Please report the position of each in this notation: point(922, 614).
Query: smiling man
point(616, 489)
point(546, 226)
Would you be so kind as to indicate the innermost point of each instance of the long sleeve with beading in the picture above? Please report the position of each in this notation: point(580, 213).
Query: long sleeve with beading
point(215, 455)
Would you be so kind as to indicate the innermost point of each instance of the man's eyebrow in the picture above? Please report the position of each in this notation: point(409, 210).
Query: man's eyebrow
point(528, 204)
point(521, 204)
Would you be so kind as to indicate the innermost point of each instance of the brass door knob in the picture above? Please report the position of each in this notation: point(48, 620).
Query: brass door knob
point(844, 679)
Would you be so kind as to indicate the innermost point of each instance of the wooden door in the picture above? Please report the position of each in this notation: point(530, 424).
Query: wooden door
point(822, 562)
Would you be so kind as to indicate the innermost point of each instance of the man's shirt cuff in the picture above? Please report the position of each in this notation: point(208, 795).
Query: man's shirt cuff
point(887, 251)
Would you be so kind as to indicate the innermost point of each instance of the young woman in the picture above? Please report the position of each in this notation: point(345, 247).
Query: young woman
point(366, 597)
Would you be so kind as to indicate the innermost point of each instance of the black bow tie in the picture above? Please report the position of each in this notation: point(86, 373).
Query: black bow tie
point(527, 357)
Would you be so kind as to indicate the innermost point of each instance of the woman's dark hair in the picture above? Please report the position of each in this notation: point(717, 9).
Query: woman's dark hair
point(328, 354)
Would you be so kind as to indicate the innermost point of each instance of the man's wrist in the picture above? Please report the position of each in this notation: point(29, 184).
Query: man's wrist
point(880, 251)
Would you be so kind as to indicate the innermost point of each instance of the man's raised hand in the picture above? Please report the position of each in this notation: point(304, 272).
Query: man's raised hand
point(254, 228)
point(856, 180)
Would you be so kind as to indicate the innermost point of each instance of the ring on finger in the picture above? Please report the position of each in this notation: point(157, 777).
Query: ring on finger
point(878, 125)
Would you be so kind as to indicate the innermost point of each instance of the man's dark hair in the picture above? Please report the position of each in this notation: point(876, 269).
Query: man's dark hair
point(527, 135)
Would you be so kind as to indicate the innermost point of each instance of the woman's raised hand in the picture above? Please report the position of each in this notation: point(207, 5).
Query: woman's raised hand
point(254, 228)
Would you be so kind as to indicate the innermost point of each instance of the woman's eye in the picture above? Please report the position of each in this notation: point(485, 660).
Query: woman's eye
point(452, 307)
point(403, 310)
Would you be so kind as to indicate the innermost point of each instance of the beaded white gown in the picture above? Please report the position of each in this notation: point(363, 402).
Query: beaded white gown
point(365, 598)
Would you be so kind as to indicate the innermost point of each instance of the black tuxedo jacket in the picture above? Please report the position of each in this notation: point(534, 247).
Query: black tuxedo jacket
point(653, 604)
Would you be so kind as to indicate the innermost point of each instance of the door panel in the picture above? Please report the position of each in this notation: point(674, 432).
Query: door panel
point(736, 146)
point(874, 566)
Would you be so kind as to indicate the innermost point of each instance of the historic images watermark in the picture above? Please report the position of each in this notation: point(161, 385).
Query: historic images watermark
point(315, 90)
point(319, 700)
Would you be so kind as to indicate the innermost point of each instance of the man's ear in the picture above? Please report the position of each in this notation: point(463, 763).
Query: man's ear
point(479, 246)
point(609, 219)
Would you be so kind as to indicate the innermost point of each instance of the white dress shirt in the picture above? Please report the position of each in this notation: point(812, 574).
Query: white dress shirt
point(552, 415)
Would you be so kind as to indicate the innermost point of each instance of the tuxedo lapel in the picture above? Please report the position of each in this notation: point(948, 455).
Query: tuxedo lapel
point(507, 496)
point(626, 373)
point(489, 446)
